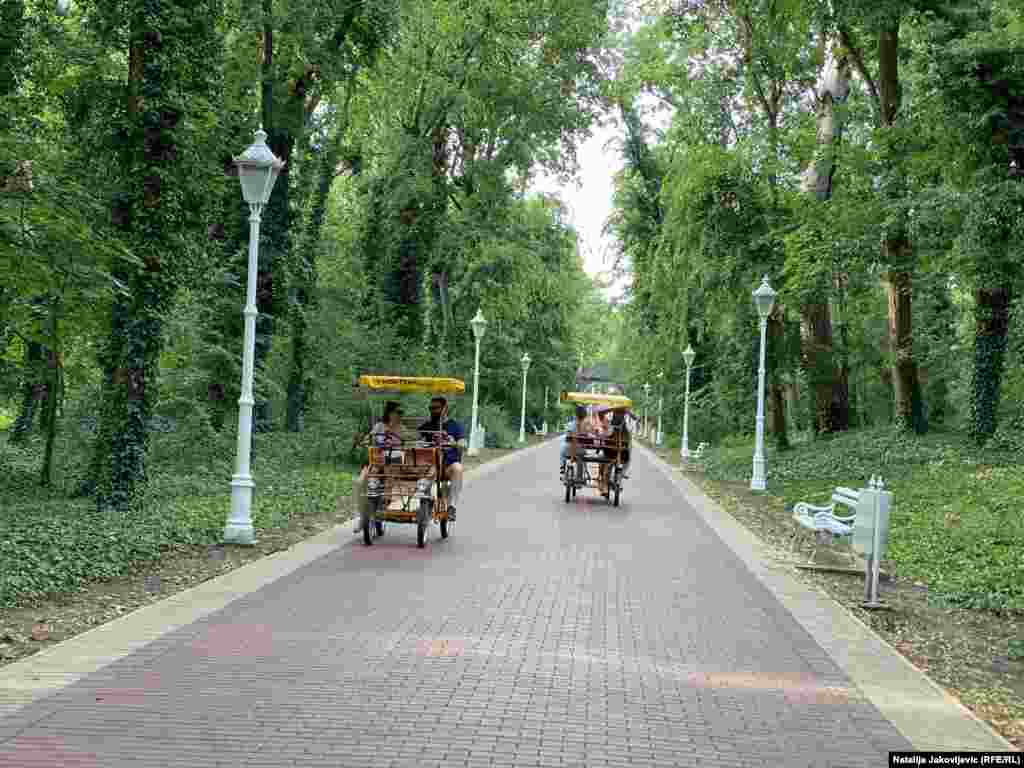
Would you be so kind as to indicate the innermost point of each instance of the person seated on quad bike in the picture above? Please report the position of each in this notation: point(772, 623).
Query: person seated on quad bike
point(385, 434)
point(441, 430)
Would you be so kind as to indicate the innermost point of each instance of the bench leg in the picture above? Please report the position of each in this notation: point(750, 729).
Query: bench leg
point(798, 535)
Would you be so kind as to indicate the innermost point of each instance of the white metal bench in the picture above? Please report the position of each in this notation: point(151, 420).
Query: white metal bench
point(823, 519)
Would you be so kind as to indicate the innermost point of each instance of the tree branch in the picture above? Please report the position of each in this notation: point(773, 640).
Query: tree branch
point(858, 63)
point(447, 104)
point(748, 49)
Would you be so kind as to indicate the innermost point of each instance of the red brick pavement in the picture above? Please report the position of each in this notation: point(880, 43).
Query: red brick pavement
point(540, 634)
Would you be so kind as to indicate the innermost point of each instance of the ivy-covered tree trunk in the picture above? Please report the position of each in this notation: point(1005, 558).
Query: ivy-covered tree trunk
point(55, 387)
point(172, 61)
point(418, 224)
point(299, 382)
point(897, 251)
point(936, 379)
point(33, 391)
point(12, 59)
point(992, 325)
point(829, 379)
point(776, 341)
point(906, 387)
point(276, 219)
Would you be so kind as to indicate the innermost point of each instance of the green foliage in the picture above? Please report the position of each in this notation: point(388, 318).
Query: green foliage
point(956, 523)
point(1016, 649)
point(499, 425)
point(51, 545)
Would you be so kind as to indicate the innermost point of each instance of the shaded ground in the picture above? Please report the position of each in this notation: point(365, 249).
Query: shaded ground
point(975, 655)
point(27, 630)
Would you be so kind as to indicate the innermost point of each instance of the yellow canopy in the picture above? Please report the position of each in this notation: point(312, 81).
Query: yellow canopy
point(588, 398)
point(412, 384)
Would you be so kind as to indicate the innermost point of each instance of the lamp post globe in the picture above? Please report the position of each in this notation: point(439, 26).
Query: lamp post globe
point(684, 450)
point(764, 300)
point(479, 326)
point(258, 169)
point(689, 355)
point(522, 418)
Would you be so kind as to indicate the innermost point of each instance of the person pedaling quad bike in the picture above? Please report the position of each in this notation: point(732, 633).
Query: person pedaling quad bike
point(449, 435)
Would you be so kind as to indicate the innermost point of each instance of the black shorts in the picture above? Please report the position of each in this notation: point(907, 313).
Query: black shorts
point(611, 453)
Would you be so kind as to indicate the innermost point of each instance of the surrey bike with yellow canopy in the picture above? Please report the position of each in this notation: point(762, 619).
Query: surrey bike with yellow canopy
point(405, 473)
point(597, 459)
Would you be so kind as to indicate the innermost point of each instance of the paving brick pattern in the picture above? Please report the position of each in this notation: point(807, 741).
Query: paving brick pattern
point(541, 634)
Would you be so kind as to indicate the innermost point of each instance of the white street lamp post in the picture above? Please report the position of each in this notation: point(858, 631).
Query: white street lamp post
point(522, 419)
point(684, 451)
point(661, 398)
point(479, 326)
point(257, 171)
point(544, 427)
point(764, 299)
point(647, 402)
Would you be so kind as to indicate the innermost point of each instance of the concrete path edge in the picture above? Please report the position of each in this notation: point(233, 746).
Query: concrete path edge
point(925, 713)
point(62, 664)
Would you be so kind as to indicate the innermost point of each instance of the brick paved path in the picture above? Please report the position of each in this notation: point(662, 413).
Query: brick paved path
point(541, 634)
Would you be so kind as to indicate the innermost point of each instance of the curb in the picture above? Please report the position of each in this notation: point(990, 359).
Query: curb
point(923, 711)
point(58, 666)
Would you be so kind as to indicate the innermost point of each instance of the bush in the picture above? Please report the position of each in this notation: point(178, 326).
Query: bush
point(500, 432)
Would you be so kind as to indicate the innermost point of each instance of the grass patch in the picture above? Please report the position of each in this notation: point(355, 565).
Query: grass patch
point(51, 544)
point(957, 523)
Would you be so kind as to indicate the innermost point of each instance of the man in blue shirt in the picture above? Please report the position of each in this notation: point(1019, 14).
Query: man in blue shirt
point(449, 433)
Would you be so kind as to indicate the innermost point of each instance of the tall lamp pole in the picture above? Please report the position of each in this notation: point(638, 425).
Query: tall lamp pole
point(479, 326)
point(522, 419)
point(684, 451)
point(647, 402)
point(258, 169)
point(544, 428)
point(764, 299)
point(661, 403)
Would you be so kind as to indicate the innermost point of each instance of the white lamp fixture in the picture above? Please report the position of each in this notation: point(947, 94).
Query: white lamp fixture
point(522, 419)
point(684, 451)
point(647, 421)
point(661, 403)
point(479, 327)
point(764, 300)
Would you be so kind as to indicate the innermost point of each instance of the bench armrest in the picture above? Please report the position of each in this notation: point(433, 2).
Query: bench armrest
point(803, 509)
